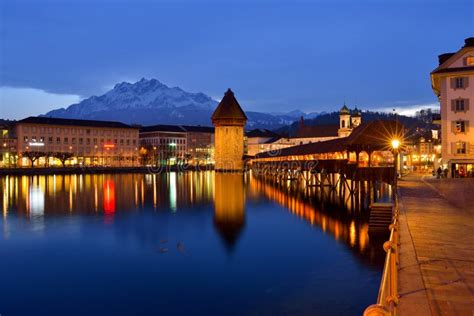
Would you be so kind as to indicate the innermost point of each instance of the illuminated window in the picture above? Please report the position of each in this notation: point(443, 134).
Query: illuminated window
point(460, 147)
point(470, 61)
point(460, 127)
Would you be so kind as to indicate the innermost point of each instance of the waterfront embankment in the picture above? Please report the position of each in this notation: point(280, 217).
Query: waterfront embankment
point(436, 272)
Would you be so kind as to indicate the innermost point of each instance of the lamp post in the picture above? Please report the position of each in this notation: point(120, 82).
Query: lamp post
point(395, 147)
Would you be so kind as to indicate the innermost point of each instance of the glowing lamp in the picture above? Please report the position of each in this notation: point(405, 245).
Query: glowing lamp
point(395, 144)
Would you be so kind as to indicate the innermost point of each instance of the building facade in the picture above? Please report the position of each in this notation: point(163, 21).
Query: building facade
point(261, 140)
point(84, 142)
point(163, 145)
point(200, 144)
point(229, 120)
point(311, 134)
point(453, 83)
point(8, 148)
point(177, 144)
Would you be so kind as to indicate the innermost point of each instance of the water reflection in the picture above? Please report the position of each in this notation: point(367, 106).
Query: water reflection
point(110, 229)
point(33, 197)
point(229, 207)
point(347, 227)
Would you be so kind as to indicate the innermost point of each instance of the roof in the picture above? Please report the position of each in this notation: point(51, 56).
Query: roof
point(273, 139)
point(72, 122)
point(162, 128)
point(258, 132)
point(317, 131)
point(456, 69)
point(375, 135)
point(229, 108)
point(199, 129)
point(344, 110)
point(445, 60)
point(356, 113)
point(177, 129)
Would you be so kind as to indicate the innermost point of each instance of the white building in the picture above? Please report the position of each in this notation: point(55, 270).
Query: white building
point(259, 140)
point(453, 83)
point(319, 133)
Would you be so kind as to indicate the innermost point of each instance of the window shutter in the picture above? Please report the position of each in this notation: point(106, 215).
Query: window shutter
point(466, 126)
point(453, 105)
point(466, 82)
point(453, 126)
point(466, 105)
point(452, 83)
point(453, 148)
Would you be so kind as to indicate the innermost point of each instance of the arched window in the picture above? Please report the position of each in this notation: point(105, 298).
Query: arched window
point(343, 123)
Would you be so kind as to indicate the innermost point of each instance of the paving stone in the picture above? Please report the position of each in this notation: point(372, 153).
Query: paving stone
point(437, 246)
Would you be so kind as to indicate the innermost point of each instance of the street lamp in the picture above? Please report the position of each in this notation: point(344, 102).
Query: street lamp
point(395, 144)
point(395, 147)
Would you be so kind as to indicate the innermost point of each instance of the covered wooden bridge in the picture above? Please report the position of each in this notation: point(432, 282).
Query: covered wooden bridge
point(342, 164)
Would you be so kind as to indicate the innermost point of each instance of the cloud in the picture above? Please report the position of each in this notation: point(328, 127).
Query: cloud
point(408, 110)
point(18, 103)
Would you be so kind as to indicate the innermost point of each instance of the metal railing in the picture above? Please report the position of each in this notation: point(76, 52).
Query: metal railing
point(387, 300)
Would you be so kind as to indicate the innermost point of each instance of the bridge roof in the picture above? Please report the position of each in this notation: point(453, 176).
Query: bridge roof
point(370, 136)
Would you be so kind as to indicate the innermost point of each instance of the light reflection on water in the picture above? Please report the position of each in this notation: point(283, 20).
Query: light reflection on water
point(259, 248)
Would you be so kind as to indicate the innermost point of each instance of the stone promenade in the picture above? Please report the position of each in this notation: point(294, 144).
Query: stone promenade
point(437, 246)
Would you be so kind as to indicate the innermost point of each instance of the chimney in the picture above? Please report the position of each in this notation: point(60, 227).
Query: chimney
point(469, 42)
point(444, 57)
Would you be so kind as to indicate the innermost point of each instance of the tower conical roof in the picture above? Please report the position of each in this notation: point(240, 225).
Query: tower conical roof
point(344, 110)
point(356, 113)
point(229, 108)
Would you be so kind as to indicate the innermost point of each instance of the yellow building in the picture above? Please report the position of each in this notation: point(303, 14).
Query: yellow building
point(453, 83)
point(229, 120)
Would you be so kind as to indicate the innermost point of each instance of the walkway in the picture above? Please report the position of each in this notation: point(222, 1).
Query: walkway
point(437, 246)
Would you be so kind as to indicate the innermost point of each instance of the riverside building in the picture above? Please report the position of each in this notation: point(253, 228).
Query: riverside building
point(176, 144)
point(86, 142)
point(453, 83)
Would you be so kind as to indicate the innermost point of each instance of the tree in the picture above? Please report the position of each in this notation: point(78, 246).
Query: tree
point(144, 154)
point(63, 157)
point(33, 156)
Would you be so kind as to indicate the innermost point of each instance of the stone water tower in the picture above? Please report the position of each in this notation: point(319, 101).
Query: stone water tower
point(229, 120)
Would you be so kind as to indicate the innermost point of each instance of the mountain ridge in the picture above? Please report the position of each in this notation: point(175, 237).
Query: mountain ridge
point(149, 101)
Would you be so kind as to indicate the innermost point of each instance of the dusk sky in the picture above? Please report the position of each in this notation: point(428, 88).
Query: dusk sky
point(275, 55)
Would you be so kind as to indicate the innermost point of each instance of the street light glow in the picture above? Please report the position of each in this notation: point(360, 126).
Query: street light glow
point(395, 143)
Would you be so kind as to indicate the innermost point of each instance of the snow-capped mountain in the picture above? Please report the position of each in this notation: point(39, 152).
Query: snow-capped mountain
point(149, 102)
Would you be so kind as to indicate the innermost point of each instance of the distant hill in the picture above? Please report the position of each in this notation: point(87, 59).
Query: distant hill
point(410, 123)
point(149, 102)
